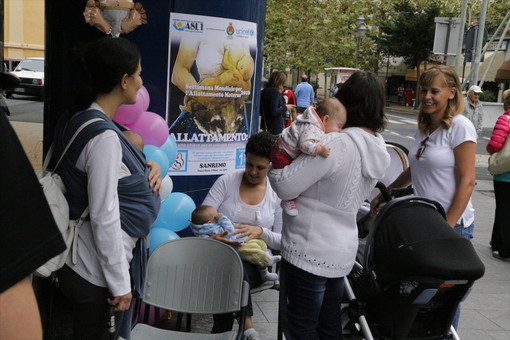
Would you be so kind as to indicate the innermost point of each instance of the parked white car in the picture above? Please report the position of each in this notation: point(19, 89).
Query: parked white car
point(30, 71)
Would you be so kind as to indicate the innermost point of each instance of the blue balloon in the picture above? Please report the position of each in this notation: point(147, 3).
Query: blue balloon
point(158, 236)
point(153, 153)
point(175, 212)
point(169, 147)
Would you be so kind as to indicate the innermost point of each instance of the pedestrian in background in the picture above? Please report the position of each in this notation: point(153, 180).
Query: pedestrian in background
point(272, 104)
point(289, 98)
point(500, 239)
point(304, 94)
point(409, 96)
point(400, 94)
point(473, 108)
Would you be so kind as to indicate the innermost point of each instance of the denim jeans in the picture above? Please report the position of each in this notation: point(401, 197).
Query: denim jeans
point(467, 233)
point(310, 305)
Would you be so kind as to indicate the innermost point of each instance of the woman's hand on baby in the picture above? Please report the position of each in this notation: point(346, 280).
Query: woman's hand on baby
point(221, 237)
point(154, 176)
point(250, 231)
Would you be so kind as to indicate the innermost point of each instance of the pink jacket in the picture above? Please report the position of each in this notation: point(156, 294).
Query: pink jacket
point(499, 134)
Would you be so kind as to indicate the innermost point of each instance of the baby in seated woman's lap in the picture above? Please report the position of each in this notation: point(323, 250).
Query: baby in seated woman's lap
point(207, 221)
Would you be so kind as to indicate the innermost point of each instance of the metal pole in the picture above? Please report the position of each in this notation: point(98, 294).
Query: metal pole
point(460, 40)
point(357, 51)
point(490, 42)
point(481, 30)
point(497, 47)
point(448, 29)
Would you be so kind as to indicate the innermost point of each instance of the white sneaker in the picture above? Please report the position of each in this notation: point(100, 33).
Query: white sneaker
point(290, 208)
point(253, 336)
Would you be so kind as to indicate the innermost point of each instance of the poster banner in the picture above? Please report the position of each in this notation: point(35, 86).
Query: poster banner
point(210, 83)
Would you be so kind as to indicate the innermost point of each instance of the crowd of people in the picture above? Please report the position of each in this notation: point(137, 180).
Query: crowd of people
point(305, 177)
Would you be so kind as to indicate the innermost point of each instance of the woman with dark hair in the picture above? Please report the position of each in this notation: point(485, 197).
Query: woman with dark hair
point(246, 197)
point(104, 172)
point(319, 245)
point(272, 104)
point(442, 159)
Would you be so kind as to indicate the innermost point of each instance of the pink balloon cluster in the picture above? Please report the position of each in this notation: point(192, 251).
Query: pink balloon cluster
point(151, 126)
point(158, 145)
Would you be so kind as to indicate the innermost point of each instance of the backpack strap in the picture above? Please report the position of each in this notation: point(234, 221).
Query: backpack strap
point(50, 151)
point(76, 224)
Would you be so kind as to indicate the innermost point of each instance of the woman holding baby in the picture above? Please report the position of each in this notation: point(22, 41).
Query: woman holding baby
point(319, 245)
point(246, 197)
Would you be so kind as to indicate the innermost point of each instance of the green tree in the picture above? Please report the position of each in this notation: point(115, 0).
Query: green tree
point(310, 34)
point(409, 33)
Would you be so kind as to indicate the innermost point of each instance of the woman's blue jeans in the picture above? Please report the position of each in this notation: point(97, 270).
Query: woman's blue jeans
point(310, 305)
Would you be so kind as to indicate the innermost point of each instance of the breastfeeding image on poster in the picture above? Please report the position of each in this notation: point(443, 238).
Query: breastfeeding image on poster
point(211, 76)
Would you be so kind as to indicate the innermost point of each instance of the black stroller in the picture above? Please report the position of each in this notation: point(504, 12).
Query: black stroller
point(411, 272)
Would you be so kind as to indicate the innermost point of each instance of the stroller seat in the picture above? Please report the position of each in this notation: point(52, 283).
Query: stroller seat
point(415, 240)
point(412, 271)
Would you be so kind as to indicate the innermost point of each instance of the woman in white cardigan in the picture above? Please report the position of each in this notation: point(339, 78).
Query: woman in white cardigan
point(319, 245)
point(246, 197)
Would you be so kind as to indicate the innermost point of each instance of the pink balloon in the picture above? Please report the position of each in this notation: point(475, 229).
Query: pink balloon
point(152, 127)
point(129, 113)
point(145, 96)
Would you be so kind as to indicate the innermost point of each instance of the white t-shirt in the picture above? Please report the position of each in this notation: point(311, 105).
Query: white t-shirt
point(433, 175)
point(224, 196)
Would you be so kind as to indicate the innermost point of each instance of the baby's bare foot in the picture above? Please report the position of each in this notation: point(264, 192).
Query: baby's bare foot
point(93, 17)
point(136, 17)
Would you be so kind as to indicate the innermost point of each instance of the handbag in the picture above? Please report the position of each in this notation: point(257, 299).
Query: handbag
point(499, 162)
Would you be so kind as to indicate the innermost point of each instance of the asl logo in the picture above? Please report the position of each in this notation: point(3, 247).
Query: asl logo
point(189, 26)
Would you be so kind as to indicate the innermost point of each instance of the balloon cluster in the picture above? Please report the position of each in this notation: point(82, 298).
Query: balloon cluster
point(174, 215)
point(160, 147)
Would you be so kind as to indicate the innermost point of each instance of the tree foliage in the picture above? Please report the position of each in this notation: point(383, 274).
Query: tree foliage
point(410, 33)
point(310, 35)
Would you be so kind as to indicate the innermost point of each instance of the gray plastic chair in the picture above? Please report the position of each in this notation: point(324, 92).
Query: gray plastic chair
point(196, 276)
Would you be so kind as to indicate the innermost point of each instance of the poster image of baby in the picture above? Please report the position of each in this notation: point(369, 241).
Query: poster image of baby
point(114, 16)
point(214, 82)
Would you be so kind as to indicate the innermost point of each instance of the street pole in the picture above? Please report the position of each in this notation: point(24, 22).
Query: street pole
point(460, 40)
point(357, 51)
point(359, 33)
point(448, 29)
point(479, 41)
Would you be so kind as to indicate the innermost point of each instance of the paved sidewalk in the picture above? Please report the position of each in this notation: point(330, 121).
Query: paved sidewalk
point(31, 137)
point(486, 312)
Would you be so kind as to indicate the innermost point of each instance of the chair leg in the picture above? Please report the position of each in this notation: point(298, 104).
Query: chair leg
point(178, 322)
point(188, 323)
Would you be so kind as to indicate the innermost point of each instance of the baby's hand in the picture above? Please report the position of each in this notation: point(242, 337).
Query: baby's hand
point(323, 150)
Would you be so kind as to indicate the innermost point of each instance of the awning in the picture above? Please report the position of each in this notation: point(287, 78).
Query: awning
point(411, 73)
point(503, 72)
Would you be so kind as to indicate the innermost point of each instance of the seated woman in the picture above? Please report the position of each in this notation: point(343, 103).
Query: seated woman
point(254, 209)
